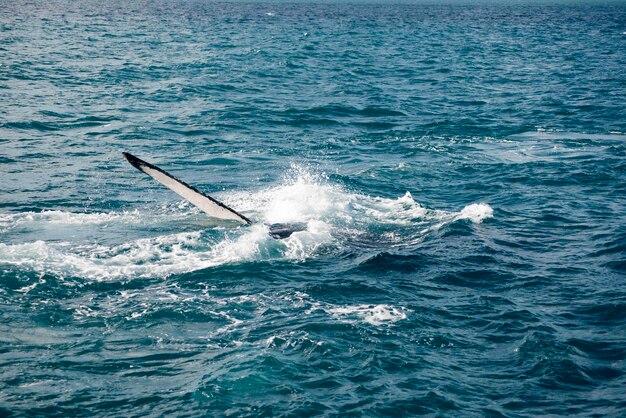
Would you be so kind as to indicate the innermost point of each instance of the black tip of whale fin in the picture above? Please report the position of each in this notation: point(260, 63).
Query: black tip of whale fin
point(134, 161)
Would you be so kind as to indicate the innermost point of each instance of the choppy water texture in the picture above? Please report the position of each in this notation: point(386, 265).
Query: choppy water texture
point(461, 169)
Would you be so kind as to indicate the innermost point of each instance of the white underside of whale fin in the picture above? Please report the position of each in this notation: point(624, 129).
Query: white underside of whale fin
point(205, 203)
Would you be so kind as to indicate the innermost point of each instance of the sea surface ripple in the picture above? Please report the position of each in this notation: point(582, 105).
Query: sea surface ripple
point(460, 168)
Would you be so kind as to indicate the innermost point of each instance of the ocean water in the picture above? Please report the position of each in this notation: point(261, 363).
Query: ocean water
point(461, 169)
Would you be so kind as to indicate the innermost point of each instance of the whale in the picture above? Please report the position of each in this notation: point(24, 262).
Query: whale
point(209, 205)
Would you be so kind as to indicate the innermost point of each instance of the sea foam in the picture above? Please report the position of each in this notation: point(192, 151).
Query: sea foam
point(335, 218)
point(372, 314)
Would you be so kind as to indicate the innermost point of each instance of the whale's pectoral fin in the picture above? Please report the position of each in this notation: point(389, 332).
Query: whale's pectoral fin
point(194, 196)
point(280, 231)
point(206, 203)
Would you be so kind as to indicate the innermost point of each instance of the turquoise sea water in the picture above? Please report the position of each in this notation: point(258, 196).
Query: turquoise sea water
point(460, 167)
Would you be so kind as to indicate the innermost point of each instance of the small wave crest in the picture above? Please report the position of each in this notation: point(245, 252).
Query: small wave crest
point(476, 212)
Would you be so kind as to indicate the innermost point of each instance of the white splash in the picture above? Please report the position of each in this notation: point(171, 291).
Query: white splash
point(402, 210)
point(476, 212)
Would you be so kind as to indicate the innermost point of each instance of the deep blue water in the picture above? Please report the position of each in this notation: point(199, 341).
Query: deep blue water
point(460, 167)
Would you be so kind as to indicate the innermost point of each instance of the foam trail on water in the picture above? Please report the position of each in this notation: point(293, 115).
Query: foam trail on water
point(51, 220)
point(335, 218)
